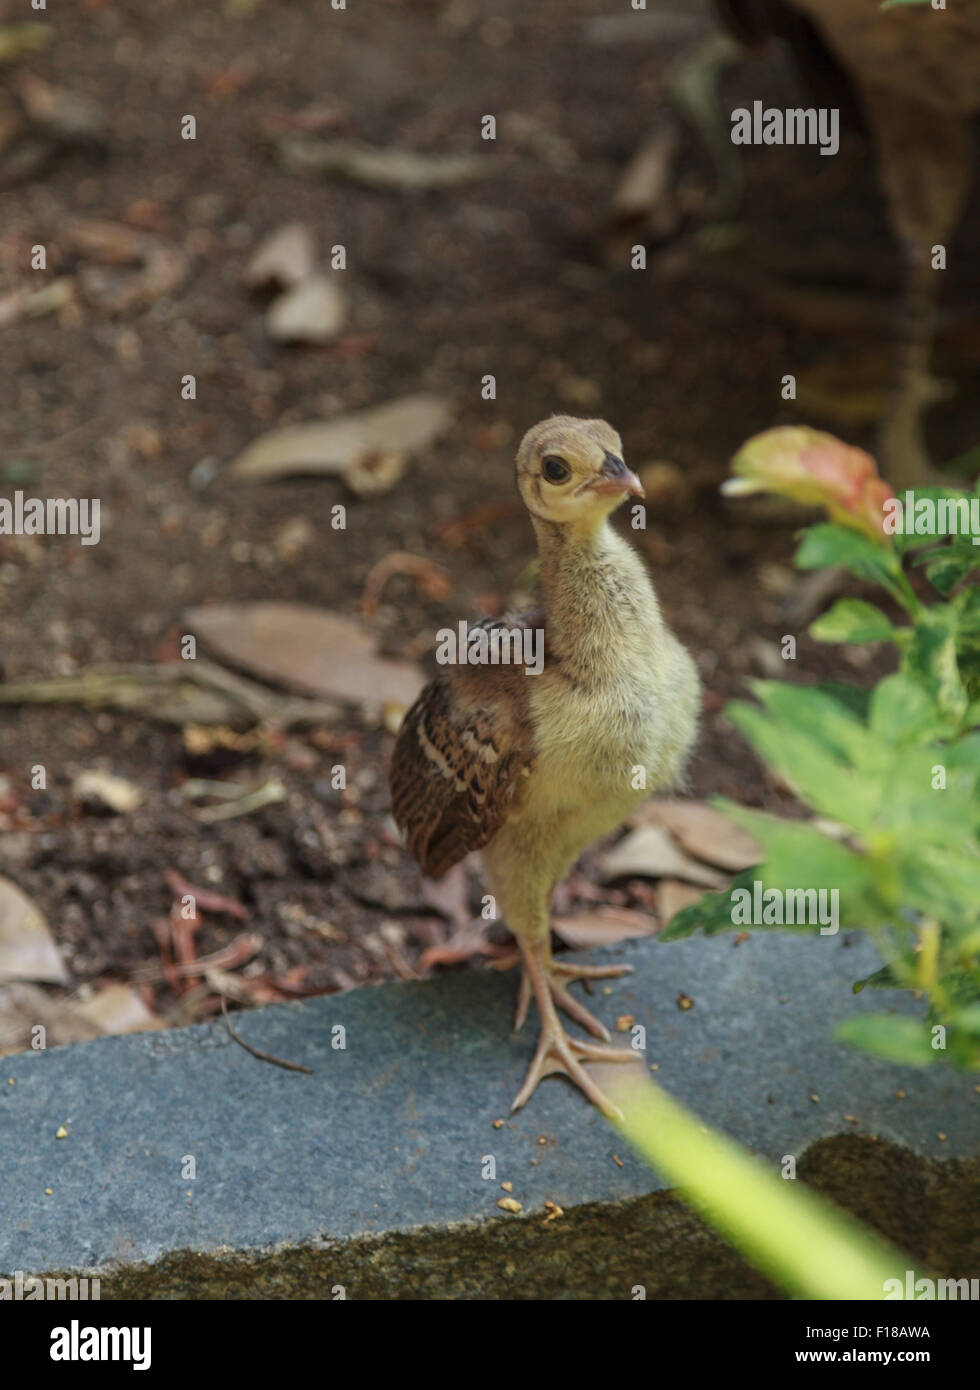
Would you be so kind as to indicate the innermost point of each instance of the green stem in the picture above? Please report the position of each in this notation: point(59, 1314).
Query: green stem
point(797, 1238)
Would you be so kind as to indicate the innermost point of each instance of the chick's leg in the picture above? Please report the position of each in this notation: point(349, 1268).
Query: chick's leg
point(556, 1051)
point(555, 973)
point(523, 871)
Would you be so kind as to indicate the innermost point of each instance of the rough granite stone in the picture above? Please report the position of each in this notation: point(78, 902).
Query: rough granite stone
point(368, 1175)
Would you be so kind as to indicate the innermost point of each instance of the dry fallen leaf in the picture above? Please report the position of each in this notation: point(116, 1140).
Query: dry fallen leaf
point(102, 789)
point(643, 195)
point(350, 446)
point(27, 948)
point(69, 116)
point(449, 896)
point(34, 304)
point(292, 537)
point(465, 944)
point(702, 831)
point(306, 649)
point(115, 1008)
point(284, 258)
point(602, 927)
point(673, 896)
point(649, 852)
point(312, 311)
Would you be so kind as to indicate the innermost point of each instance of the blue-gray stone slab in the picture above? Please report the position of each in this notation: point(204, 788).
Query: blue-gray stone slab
point(394, 1130)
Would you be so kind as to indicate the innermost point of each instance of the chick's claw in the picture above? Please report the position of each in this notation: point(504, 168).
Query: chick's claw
point(557, 1052)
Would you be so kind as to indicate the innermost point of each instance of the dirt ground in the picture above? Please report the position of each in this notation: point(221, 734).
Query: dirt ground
point(513, 275)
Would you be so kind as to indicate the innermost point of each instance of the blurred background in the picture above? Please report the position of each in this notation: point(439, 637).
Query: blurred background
point(338, 237)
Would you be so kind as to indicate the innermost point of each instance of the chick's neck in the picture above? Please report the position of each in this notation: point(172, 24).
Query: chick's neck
point(598, 597)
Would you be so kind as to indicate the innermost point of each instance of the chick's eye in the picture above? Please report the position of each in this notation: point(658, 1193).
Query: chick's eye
point(556, 470)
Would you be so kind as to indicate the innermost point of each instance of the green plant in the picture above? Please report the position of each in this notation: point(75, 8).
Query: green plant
point(793, 1235)
point(896, 770)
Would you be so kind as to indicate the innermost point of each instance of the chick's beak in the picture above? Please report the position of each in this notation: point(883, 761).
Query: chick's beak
point(614, 476)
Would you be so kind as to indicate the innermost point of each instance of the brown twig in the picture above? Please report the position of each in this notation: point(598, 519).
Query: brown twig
point(432, 579)
point(261, 1056)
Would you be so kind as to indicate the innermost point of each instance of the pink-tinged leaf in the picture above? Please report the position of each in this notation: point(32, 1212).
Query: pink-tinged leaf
point(815, 469)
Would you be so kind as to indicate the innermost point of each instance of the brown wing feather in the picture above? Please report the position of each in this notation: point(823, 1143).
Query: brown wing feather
point(461, 758)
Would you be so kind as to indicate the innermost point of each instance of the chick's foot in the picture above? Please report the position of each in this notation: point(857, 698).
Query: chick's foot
point(556, 1050)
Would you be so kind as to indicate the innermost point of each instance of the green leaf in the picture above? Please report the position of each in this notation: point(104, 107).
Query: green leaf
point(962, 987)
point(817, 712)
point(853, 620)
point(968, 643)
point(889, 976)
point(712, 914)
point(902, 711)
point(941, 883)
point(968, 1020)
point(905, 1041)
point(931, 656)
point(809, 759)
point(827, 544)
point(910, 538)
point(800, 856)
point(948, 568)
point(917, 809)
point(852, 697)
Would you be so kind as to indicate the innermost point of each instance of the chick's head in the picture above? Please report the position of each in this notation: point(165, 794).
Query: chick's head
point(571, 472)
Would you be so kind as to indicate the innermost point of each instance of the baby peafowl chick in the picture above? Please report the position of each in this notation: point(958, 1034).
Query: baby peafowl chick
point(531, 768)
